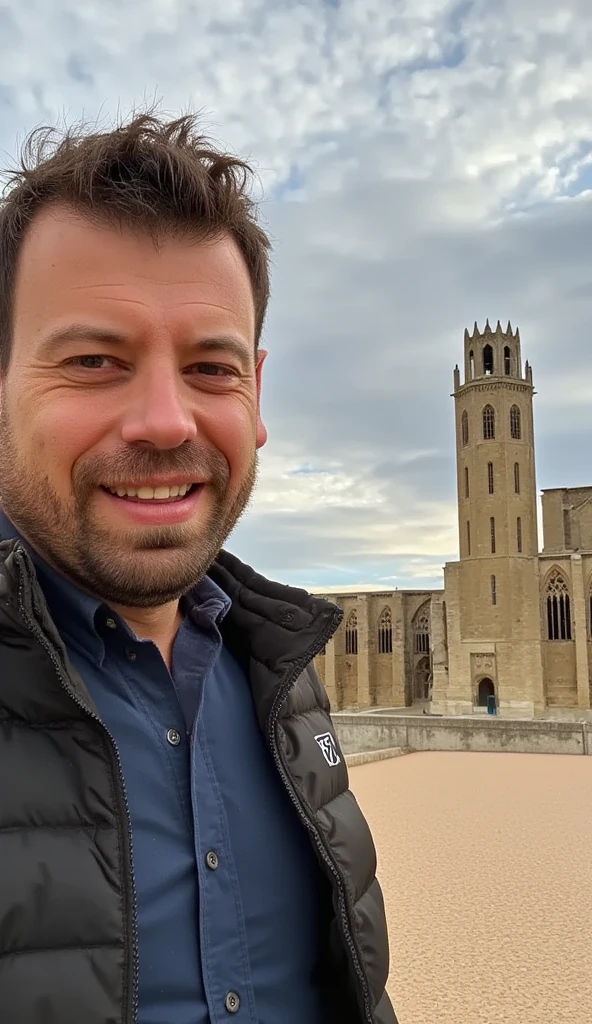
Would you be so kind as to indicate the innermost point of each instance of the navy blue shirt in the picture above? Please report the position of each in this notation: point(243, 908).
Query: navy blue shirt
point(228, 886)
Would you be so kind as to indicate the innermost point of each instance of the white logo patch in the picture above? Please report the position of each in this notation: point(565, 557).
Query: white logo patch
point(327, 744)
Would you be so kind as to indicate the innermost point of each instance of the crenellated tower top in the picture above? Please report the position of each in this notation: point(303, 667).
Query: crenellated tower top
point(493, 352)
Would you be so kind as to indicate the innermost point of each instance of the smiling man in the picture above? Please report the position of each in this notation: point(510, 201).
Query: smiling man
point(178, 844)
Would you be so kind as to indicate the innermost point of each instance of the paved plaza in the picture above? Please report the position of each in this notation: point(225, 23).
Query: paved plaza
point(486, 865)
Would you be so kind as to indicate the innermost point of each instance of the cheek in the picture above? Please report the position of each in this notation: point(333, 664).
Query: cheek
point(55, 438)
point(233, 432)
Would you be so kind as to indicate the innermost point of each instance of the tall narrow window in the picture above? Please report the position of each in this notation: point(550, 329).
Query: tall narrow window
point(515, 423)
point(465, 428)
point(558, 608)
point(492, 532)
point(385, 632)
point(507, 361)
point(351, 634)
point(466, 481)
point(516, 478)
point(468, 538)
point(519, 535)
point(422, 634)
point(490, 477)
point(471, 365)
point(488, 360)
point(488, 423)
point(493, 591)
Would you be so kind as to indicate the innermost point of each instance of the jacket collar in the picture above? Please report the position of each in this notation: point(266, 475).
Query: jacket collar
point(269, 624)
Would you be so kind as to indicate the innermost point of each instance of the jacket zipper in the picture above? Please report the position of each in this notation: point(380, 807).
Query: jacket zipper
point(62, 675)
point(280, 699)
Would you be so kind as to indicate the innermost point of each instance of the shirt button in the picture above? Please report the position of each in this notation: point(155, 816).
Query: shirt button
point(212, 860)
point(131, 654)
point(111, 623)
point(232, 1002)
point(174, 737)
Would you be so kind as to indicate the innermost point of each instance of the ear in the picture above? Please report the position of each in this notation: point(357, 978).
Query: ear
point(261, 428)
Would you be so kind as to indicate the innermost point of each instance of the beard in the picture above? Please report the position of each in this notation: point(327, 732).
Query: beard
point(131, 567)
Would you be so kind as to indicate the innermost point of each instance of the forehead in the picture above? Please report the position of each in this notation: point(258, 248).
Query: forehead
point(69, 266)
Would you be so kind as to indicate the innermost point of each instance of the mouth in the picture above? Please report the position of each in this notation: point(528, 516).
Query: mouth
point(157, 495)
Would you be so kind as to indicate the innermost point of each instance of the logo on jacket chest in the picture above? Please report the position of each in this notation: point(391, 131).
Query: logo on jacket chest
point(327, 744)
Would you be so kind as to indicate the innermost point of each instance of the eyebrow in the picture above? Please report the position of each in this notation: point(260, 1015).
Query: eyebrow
point(63, 336)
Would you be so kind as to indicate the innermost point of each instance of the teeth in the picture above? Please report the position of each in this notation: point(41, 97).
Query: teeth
point(148, 493)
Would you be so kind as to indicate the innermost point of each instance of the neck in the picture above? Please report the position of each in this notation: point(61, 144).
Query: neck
point(157, 624)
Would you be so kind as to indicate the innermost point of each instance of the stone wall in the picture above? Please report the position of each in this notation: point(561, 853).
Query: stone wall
point(360, 733)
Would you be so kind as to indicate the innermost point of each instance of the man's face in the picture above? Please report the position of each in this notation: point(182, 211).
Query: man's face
point(133, 368)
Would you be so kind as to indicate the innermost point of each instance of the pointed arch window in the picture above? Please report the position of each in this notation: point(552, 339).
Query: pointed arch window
point(507, 361)
point(558, 608)
point(488, 423)
point(465, 428)
point(490, 477)
point(515, 426)
point(422, 634)
point(488, 360)
point(466, 481)
point(516, 478)
point(385, 632)
point(351, 634)
point(519, 535)
point(471, 365)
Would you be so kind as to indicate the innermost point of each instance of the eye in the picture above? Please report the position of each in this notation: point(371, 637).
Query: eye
point(91, 362)
point(213, 370)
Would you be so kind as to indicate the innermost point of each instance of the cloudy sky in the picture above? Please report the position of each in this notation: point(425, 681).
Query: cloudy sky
point(424, 164)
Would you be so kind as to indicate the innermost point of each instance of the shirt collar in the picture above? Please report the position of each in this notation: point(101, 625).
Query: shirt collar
point(83, 619)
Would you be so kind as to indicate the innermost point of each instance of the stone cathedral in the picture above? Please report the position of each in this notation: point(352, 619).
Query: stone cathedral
point(511, 622)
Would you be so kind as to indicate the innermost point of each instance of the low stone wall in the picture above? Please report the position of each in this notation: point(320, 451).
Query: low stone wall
point(360, 733)
point(368, 756)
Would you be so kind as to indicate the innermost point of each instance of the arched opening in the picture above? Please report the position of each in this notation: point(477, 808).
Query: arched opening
point(465, 428)
point(489, 423)
point(487, 360)
point(422, 634)
point(558, 608)
point(423, 679)
point(486, 689)
point(507, 361)
point(515, 427)
point(385, 632)
point(471, 365)
point(351, 634)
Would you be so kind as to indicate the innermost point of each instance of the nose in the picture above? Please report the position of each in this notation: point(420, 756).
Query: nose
point(159, 414)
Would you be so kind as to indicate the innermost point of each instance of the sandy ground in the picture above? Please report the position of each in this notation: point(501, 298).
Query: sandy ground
point(486, 866)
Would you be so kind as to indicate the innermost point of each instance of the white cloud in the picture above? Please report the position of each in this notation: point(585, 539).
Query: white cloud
point(426, 163)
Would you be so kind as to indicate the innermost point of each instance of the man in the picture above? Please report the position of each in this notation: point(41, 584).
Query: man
point(178, 844)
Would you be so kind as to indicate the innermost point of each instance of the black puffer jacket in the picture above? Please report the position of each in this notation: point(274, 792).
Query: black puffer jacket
point(67, 903)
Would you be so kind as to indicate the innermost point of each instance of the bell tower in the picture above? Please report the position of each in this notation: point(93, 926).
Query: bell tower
point(495, 459)
point(492, 592)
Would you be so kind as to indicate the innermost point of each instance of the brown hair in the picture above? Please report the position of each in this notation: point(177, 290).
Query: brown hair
point(157, 176)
